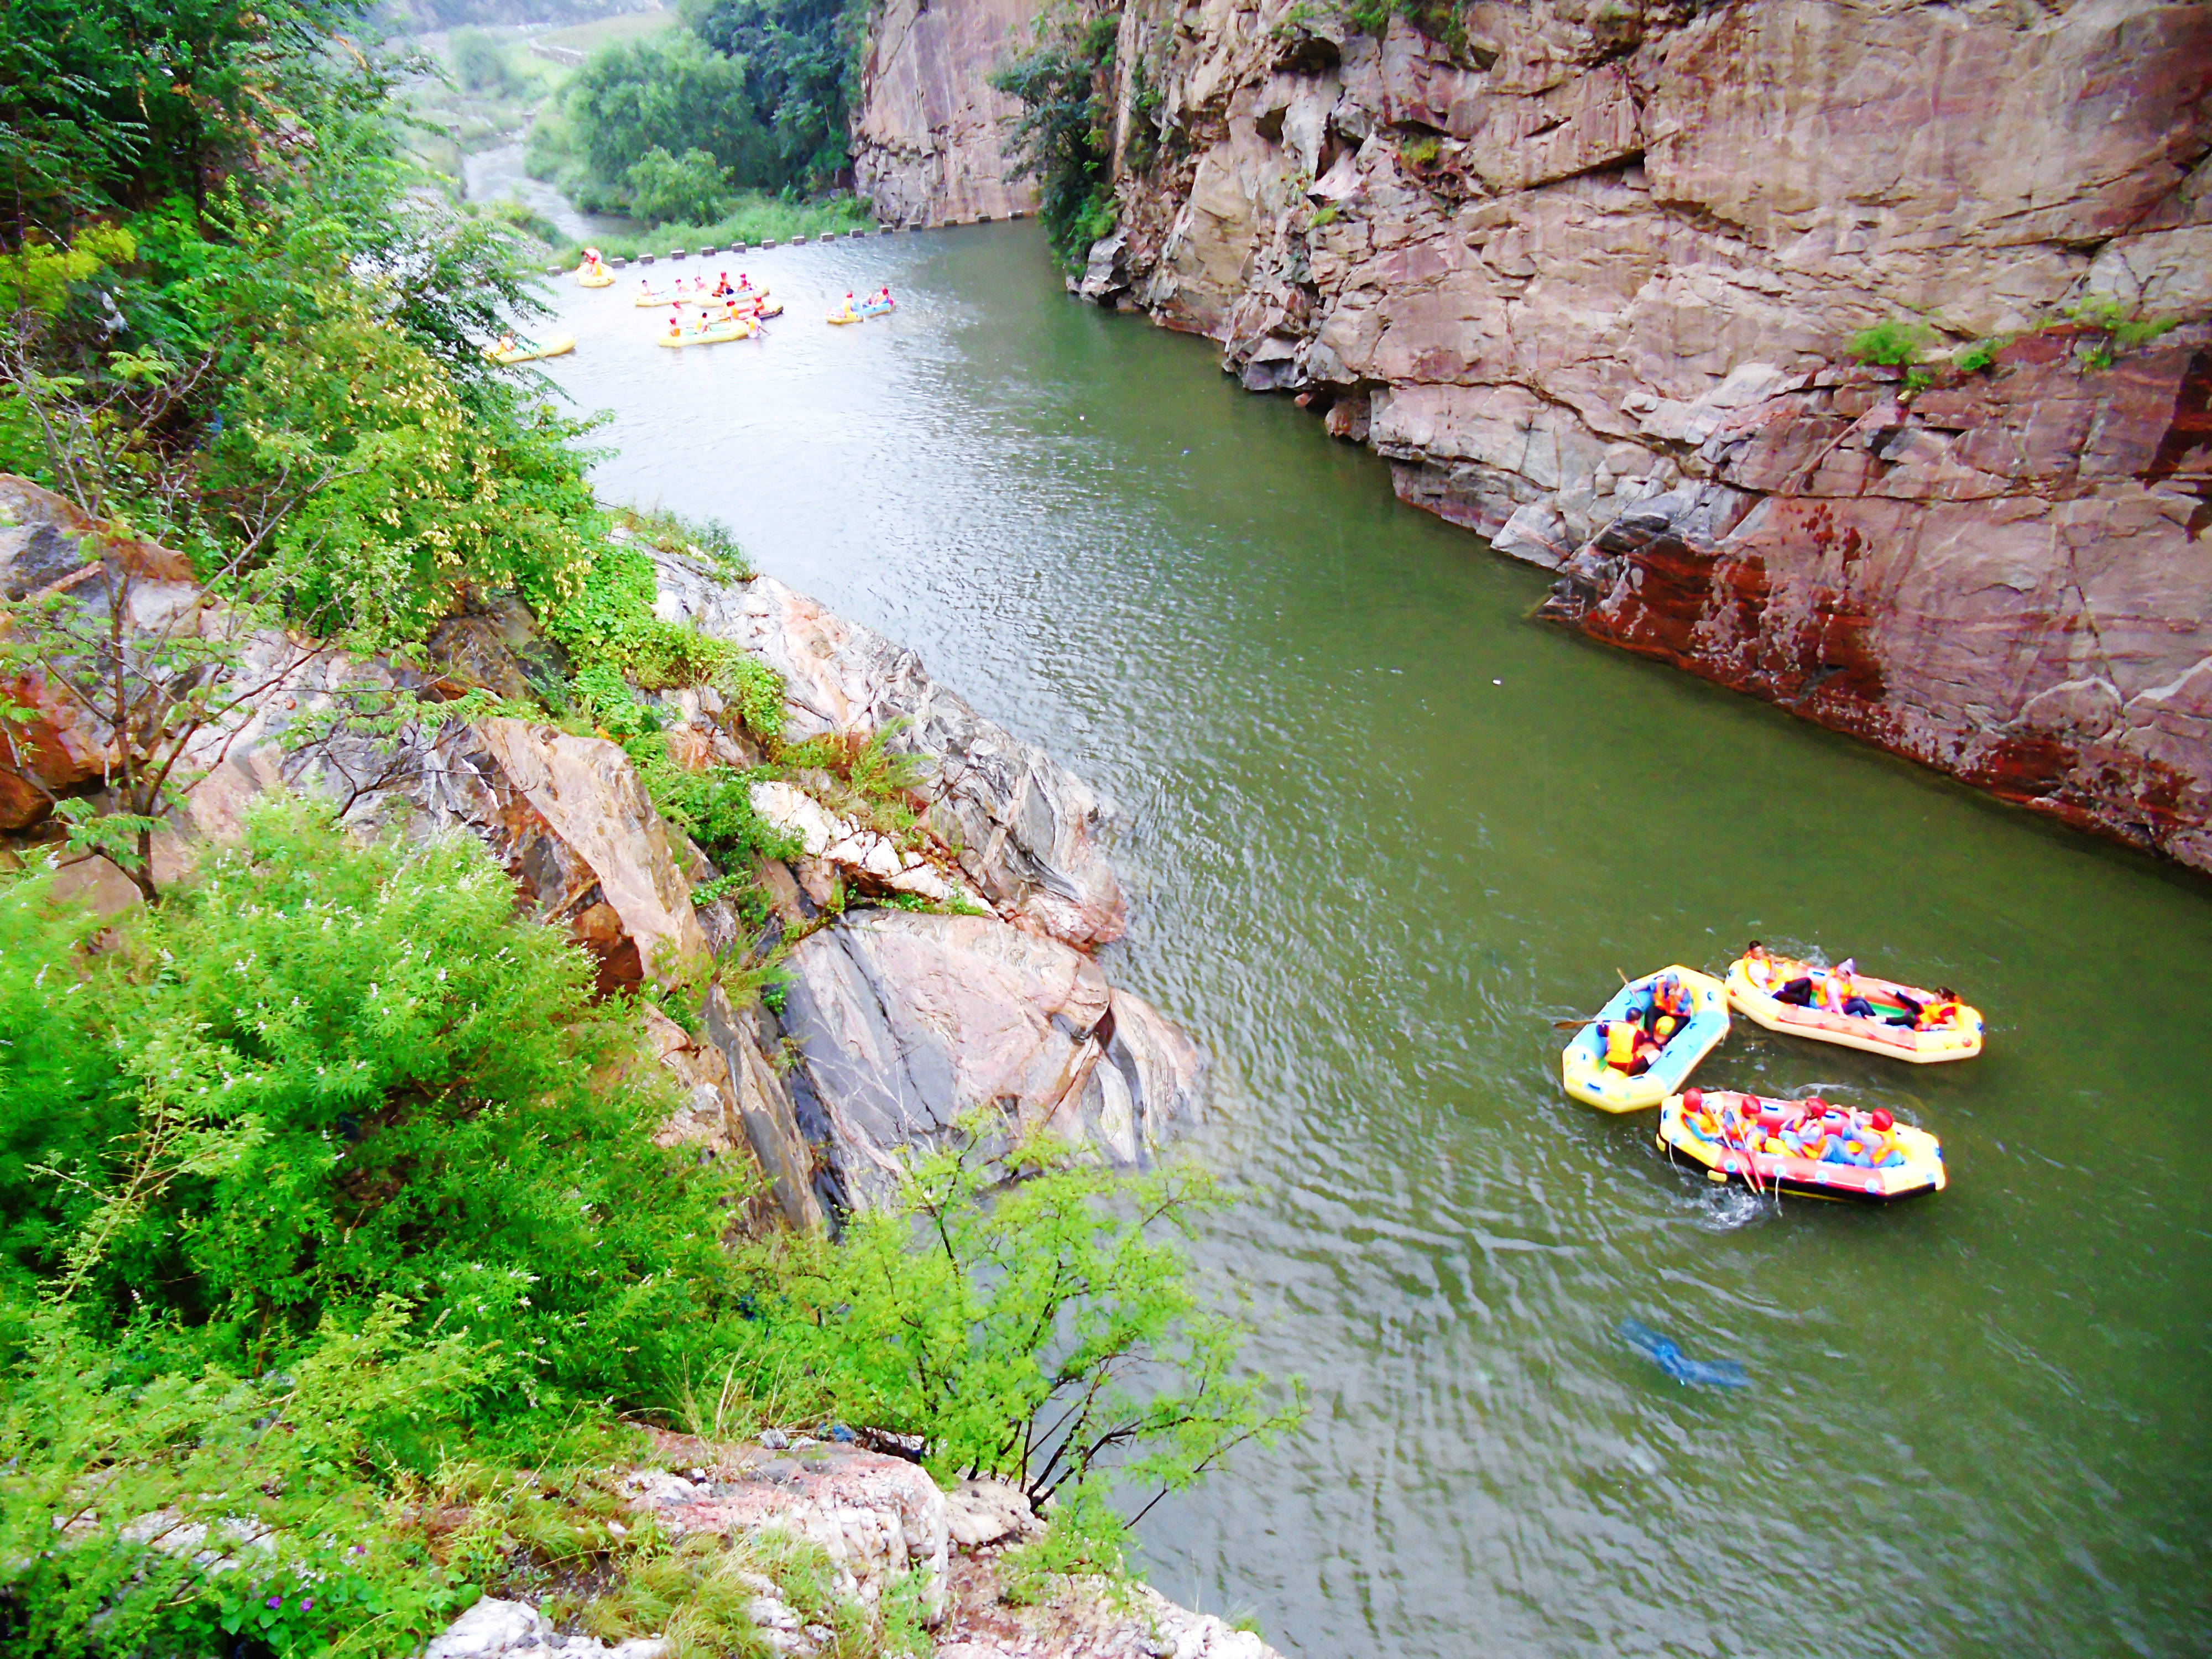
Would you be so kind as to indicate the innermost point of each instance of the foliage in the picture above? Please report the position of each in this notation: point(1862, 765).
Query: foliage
point(1441, 21)
point(669, 93)
point(802, 63)
point(1982, 355)
point(311, 1059)
point(177, 1513)
point(483, 62)
point(1897, 345)
point(1420, 149)
point(1327, 214)
point(1064, 137)
point(2124, 328)
point(129, 102)
point(698, 1594)
point(665, 187)
point(1046, 1332)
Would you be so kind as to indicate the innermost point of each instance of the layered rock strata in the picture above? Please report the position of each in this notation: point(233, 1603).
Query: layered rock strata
point(1588, 276)
point(927, 135)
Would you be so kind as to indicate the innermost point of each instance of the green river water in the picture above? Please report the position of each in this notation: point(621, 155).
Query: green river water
point(1380, 830)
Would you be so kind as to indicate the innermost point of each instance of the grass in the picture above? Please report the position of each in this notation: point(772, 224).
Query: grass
point(589, 37)
point(755, 217)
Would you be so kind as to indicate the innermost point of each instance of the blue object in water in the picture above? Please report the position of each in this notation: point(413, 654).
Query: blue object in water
point(1666, 1354)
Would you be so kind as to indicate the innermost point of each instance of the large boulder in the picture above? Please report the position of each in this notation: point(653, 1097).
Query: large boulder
point(1029, 829)
point(906, 1021)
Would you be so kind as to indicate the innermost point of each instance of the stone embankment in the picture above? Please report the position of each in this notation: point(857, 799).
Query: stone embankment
point(1588, 273)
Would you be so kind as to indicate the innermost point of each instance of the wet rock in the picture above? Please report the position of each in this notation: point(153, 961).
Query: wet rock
point(904, 1021)
point(1028, 829)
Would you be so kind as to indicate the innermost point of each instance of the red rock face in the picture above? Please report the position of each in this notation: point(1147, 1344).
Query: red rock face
point(2006, 577)
point(1585, 278)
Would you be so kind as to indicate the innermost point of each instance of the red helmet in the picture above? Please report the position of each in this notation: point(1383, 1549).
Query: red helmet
point(1881, 1120)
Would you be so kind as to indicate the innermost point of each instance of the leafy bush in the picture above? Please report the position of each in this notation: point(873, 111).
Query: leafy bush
point(751, 217)
point(1046, 1332)
point(1977, 357)
point(669, 93)
point(1063, 138)
point(483, 63)
point(1893, 344)
point(665, 187)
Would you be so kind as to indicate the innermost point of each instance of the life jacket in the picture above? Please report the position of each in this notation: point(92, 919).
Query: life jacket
point(1837, 988)
point(1619, 1043)
point(1938, 1014)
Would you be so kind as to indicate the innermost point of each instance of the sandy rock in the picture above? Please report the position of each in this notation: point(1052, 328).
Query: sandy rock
point(875, 1516)
point(874, 859)
point(490, 1628)
point(1029, 829)
point(979, 1513)
point(1083, 1620)
point(904, 1021)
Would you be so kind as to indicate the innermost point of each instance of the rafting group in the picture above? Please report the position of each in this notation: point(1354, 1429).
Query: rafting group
point(720, 310)
point(1639, 1049)
point(878, 304)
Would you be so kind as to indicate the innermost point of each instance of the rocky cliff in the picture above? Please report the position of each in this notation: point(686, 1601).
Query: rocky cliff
point(926, 136)
point(897, 1022)
point(1590, 272)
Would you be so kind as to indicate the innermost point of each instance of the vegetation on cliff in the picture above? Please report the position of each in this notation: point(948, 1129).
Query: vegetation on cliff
point(1064, 138)
point(328, 1195)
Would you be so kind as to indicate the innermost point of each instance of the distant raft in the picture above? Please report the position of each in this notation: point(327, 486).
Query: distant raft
point(736, 328)
point(593, 272)
point(647, 296)
point(1907, 1023)
point(1590, 1077)
point(510, 351)
point(1809, 1147)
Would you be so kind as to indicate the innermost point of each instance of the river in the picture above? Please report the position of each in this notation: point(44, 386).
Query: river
point(1380, 830)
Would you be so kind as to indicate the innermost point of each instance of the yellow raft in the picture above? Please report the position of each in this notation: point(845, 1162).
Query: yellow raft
point(645, 299)
point(590, 275)
point(526, 351)
point(841, 318)
point(740, 329)
point(1809, 1147)
point(1582, 1069)
point(1959, 1038)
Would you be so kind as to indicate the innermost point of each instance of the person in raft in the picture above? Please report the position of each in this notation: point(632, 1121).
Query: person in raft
point(1670, 1002)
point(1932, 1016)
point(722, 288)
point(882, 296)
point(1627, 1047)
point(1784, 980)
point(675, 325)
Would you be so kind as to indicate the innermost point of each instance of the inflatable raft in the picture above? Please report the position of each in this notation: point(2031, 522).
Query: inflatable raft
point(1588, 1078)
point(1805, 1146)
point(714, 334)
point(877, 307)
point(529, 351)
point(593, 274)
point(652, 296)
point(1958, 1037)
point(841, 318)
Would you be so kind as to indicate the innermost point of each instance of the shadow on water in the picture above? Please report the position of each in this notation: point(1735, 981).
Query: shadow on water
point(1380, 830)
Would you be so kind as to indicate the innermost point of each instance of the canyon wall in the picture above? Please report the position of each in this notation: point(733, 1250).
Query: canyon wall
point(1589, 274)
point(927, 135)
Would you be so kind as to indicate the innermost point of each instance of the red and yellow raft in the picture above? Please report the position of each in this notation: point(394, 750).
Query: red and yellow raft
point(1811, 1147)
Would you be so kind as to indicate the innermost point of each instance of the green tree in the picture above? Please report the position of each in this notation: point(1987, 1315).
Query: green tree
point(801, 61)
point(672, 94)
point(666, 189)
